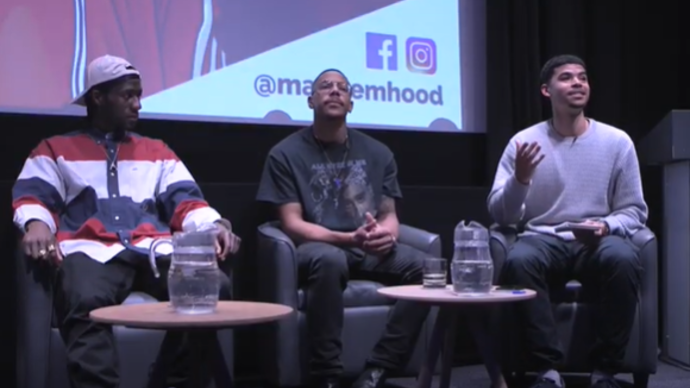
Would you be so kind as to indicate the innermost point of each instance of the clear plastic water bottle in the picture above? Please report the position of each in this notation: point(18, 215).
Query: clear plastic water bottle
point(472, 269)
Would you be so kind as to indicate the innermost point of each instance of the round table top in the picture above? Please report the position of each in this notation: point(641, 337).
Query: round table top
point(447, 296)
point(161, 315)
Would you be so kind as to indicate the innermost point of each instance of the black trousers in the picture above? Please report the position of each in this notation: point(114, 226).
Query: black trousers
point(326, 269)
point(611, 267)
point(83, 285)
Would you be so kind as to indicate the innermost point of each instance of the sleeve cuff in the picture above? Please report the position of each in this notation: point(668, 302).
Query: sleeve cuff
point(26, 213)
point(225, 223)
point(197, 218)
point(614, 225)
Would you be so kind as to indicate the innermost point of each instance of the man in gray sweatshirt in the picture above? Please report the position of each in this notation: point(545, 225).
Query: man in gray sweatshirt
point(572, 169)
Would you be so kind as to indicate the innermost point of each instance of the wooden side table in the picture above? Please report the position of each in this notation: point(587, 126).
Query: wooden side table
point(444, 331)
point(207, 362)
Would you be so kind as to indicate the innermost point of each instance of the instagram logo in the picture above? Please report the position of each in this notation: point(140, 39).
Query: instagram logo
point(421, 55)
point(382, 51)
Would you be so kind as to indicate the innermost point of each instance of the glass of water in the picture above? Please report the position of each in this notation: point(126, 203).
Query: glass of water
point(435, 273)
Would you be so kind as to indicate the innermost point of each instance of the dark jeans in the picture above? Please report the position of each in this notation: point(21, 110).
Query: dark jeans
point(611, 267)
point(84, 285)
point(326, 269)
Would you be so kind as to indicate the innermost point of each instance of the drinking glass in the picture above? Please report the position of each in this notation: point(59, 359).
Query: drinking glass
point(435, 273)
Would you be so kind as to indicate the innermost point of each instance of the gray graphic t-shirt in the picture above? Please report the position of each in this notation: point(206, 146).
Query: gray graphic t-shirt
point(336, 184)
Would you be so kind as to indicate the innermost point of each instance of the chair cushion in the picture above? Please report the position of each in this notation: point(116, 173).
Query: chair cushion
point(359, 293)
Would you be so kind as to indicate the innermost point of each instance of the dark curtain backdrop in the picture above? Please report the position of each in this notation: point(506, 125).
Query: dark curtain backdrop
point(636, 54)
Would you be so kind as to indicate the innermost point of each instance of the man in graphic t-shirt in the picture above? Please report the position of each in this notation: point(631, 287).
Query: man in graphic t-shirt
point(335, 189)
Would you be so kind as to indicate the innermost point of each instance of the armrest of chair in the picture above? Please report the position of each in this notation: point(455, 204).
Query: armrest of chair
point(34, 318)
point(500, 240)
point(643, 237)
point(420, 239)
point(277, 265)
point(646, 242)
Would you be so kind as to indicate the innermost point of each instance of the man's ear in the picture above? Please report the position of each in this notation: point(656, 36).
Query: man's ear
point(545, 91)
point(310, 102)
point(97, 97)
point(352, 105)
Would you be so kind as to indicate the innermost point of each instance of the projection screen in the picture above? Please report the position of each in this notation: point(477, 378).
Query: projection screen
point(412, 64)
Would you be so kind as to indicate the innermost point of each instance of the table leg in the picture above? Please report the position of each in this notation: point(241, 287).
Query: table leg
point(165, 359)
point(482, 322)
point(448, 352)
point(208, 363)
point(443, 320)
point(206, 358)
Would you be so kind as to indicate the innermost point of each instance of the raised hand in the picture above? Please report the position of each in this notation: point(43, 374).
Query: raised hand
point(527, 158)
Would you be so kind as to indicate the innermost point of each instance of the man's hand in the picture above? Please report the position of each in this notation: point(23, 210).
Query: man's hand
point(591, 236)
point(361, 235)
point(227, 242)
point(379, 240)
point(40, 244)
point(527, 158)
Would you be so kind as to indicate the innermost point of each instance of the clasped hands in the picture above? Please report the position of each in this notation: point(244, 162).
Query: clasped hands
point(374, 238)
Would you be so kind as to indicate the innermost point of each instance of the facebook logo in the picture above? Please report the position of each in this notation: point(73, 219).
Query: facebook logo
point(382, 51)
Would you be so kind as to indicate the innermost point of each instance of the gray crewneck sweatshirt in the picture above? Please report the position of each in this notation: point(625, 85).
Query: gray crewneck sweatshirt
point(595, 176)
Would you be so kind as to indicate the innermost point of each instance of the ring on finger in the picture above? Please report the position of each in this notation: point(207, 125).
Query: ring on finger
point(42, 252)
point(51, 248)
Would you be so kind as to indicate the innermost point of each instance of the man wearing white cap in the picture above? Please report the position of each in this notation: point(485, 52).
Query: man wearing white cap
point(92, 202)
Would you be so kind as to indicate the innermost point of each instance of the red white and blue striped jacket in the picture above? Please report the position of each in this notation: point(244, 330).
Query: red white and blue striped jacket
point(101, 196)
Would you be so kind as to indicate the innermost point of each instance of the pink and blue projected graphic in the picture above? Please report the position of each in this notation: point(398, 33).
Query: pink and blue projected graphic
point(250, 61)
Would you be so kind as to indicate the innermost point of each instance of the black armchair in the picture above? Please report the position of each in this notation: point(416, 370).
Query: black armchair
point(41, 359)
point(284, 344)
point(573, 312)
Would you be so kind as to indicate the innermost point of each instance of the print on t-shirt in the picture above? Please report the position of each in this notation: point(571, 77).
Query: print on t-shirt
point(341, 190)
point(335, 185)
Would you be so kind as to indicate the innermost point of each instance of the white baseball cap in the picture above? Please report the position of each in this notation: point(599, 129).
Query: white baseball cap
point(104, 69)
